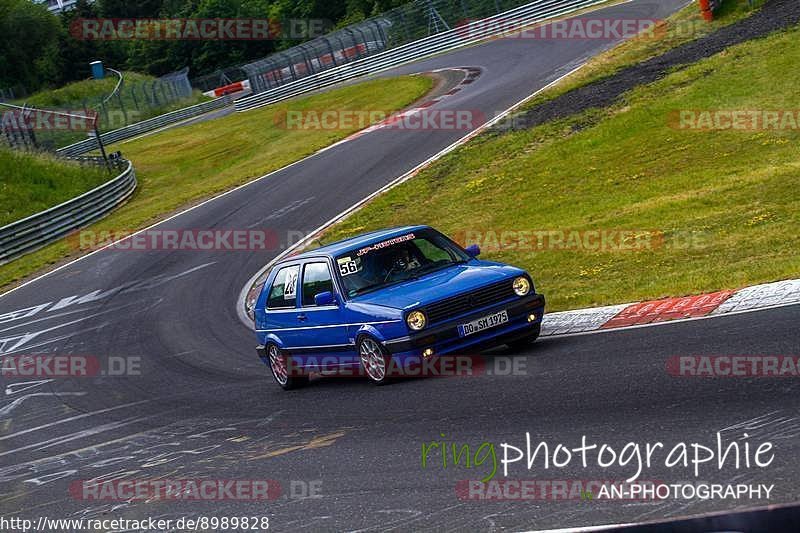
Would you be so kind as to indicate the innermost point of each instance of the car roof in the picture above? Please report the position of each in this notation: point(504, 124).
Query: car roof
point(336, 248)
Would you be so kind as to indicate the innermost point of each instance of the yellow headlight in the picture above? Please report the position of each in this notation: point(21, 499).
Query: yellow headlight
point(522, 286)
point(416, 320)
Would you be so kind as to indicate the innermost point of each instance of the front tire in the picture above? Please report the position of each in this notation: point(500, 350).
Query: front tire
point(375, 360)
point(280, 369)
point(525, 342)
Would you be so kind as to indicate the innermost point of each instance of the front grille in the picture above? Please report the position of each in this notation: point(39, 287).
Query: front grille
point(468, 301)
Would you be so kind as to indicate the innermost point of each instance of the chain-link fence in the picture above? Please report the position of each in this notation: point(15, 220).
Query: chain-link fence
point(334, 49)
point(12, 93)
point(217, 79)
point(402, 25)
point(140, 100)
point(48, 128)
point(33, 129)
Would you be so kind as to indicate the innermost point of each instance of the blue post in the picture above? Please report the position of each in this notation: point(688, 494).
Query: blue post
point(98, 72)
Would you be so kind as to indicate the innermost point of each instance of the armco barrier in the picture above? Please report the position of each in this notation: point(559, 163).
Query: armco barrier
point(145, 126)
point(35, 231)
point(474, 32)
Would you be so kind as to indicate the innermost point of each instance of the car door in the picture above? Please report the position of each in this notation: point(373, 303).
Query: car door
point(324, 338)
point(280, 315)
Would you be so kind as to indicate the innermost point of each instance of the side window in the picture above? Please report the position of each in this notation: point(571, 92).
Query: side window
point(284, 289)
point(316, 279)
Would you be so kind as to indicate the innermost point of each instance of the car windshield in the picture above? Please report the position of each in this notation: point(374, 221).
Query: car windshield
point(397, 259)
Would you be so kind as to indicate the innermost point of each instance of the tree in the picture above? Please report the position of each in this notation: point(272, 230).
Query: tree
point(29, 39)
point(38, 48)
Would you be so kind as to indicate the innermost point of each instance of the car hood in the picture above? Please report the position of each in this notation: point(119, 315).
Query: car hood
point(440, 284)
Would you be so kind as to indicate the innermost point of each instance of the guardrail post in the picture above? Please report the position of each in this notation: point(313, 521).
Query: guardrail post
point(307, 60)
point(133, 97)
point(122, 107)
point(330, 50)
point(100, 145)
point(154, 98)
point(384, 38)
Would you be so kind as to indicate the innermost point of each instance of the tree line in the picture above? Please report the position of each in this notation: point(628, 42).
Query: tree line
point(39, 49)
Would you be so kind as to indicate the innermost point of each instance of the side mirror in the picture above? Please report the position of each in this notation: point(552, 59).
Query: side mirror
point(473, 250)
point(325, 298)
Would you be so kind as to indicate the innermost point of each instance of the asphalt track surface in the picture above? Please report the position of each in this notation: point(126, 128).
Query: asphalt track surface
point(203, 406)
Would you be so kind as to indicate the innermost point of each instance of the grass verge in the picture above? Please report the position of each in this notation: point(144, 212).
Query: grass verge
point(722, 204)
point(682, 27)
point(30, 183)
point(181, 166)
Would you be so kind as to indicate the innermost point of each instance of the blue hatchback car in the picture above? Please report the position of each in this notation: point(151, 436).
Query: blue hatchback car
point(393, 297)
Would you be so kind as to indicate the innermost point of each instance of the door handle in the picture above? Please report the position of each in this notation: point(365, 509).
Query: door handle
point(302, 317)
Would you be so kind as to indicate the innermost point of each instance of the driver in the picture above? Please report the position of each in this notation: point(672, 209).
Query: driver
point(403, 260)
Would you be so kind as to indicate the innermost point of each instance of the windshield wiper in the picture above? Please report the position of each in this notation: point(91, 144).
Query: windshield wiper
point(427, 269)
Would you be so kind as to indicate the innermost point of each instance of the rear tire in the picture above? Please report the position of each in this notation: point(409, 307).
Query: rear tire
point(375, 360)
point(280, 369)
point(525, 342)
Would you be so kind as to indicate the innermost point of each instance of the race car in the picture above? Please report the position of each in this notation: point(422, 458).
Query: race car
point(389, 299)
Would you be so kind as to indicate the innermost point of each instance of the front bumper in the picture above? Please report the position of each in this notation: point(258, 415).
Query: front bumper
point(444, 339)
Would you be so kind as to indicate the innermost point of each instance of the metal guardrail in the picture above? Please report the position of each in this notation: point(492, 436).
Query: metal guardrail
point(471, 33)
point(36, 231)
point(145, 126)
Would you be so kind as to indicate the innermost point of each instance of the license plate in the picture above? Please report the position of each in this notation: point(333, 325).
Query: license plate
point(481, 324)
